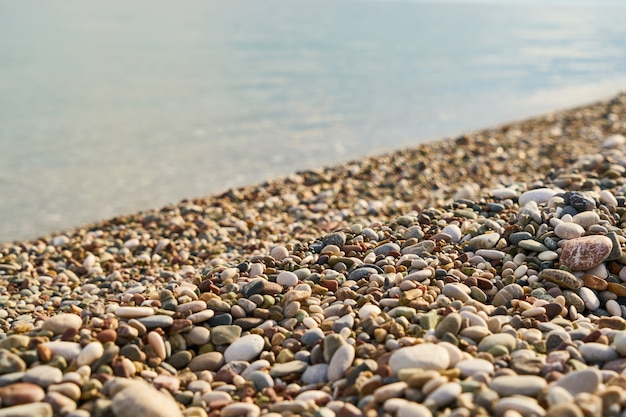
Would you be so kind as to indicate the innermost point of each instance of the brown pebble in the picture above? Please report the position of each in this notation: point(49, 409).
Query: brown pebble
point(21, 393)
point(617, 289)
point(107, 335)
point(594, 282)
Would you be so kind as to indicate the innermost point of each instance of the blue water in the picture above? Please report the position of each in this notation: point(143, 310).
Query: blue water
point(112, 107)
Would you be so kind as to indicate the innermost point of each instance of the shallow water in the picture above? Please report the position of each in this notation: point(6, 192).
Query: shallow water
point(109, 108)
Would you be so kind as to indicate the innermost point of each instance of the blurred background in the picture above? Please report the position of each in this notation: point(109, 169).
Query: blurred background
point(112, 107)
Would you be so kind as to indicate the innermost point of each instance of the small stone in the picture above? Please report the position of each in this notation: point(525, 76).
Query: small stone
point(504, 340)
point(21, 393)
point(36, 409)
point(508, 385)
point(156, 321)
point(470, 367)
point(508, 293)
point(567, 230)
point(585, 380)
point(133, 312)
point(260, 379)
point(565, 409)
point(240, 409)
point(454, 232)
point(10, 362)
point(412, 409)
point(90, 353)
point(211, 361)
point(316, 374)
point(137, 398)
point(585, 252)
point(597, 352)
point(282, 369)
point(425, 356)
point(201, 316)
point(287, 279)
point(450, 324)
point(539, 196)
point(561, 278)
point(523, 405)
point(43, 375)
point(486, 241)
point(225, 335)
point(61, 323)
point(245, 349)
point(199, 335)
point(340, 362)
point(591, 300)
point(443, 395)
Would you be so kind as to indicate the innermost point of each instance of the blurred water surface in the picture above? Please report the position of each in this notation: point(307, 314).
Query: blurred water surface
point(111, 107)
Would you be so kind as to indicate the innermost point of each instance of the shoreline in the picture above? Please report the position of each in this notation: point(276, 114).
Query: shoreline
point(478, 275)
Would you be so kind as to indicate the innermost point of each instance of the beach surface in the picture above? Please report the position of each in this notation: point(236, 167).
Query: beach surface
point(478, 275)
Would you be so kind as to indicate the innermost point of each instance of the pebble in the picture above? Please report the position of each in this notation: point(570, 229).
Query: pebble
point(471, 367)
point(90, 353)
point(61, 323)
point(287, 279)
point(28, 410)
point(244, 349)
point(43, 375)
point(10, 362)
point(21, 393)
point(133, 312)
point(585, 252)
point(527, 385)
point(340, 362)
point(584, 380)
point(424, 356)
point(138, 398)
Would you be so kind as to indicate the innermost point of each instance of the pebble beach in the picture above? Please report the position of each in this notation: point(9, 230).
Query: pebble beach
point(480, 275)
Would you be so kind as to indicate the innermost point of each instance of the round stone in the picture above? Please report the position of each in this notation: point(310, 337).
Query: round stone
point(287, 279)
point(539, 196)
point(90, 353)
point(597, 352)
point(198, 335)
point(35, 409)
point(504, 340)
point(21, 393)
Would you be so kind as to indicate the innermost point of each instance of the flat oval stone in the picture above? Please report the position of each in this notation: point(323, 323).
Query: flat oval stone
point(90, 353)
point(10, 362)
point(316, 374)
point(282, 369)
point(586, 219)
point(60, 323)
point(454, 232)
point(523, 405)
point(598, 352)
point(585, 380)
point(539, 196)
point(138, 398)
point(21, 393)
point(36, 409)
point(508, 385)
point(469, 367)
point(156, 321)
point(211, 361)
point(245, 349)
point(561, 278)
point(133, 312)
point(591, 300)
point(486, 241)
point(43, 375)
point(567, 230)
point(499, 339)
point(340, 362)
point(585, 252)
point(425, 356)
point(201, 316)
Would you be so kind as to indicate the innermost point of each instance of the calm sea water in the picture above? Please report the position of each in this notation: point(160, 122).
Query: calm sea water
point(112, 107)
